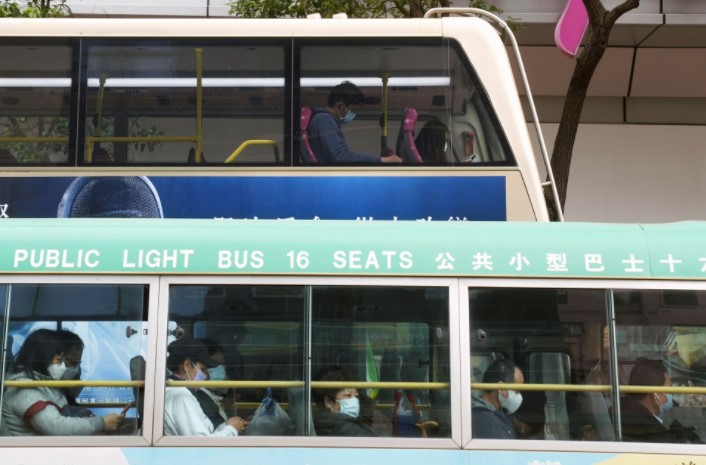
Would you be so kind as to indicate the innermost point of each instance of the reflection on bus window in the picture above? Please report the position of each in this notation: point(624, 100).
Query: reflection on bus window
point(661, 336)
point(35, 98)
point(417, 82)
point(360, 337)
point(370, 334)
point(555, 337)
point(148, 93)
point(86, 334)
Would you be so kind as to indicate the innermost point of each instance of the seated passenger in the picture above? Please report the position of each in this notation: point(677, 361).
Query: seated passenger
point(184, 415)
point(432, 142)
point(38, 411)
point(642, 414)
point(73, 353)
point(491, 410)
point(337, 409)
point(325, 134)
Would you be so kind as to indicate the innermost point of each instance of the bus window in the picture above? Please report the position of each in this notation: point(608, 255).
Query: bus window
point(366, 335)
point(554, 337)
point(430, 77)
point(660, 338)
point(144, 104)
point(260, 330)
point(95, 330)
point(35, 101)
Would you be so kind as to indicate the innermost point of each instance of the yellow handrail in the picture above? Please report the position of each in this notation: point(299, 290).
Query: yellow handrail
point(589, 388)
point(314, 384)
point(250, 142)
point(73, 383)
point(199, 104)
point(90, 140)
point(36, 139)
point(362, 385)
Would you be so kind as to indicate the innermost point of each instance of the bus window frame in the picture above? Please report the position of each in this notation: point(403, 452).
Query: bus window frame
point(556, 445)
point(132, 42)
point(99, 440)
point(159, 439)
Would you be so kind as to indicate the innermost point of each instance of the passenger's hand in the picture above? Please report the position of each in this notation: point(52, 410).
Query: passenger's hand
point(390, 157)
point(112, 421)
point(238, 423)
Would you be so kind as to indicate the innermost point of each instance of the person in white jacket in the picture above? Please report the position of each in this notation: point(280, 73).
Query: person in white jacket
point(188, 360)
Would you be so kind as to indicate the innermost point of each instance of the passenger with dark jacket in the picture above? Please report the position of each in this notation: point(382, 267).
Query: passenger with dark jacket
point(337, 409)
point(642, 414)
point(325, 133)
point(492, 409)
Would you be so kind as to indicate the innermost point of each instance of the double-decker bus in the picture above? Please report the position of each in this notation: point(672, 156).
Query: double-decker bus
point(202, 118)
point(414, 312)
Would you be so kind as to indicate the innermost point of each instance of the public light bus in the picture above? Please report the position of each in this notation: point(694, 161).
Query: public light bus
point(414, 311)
point(201, 118)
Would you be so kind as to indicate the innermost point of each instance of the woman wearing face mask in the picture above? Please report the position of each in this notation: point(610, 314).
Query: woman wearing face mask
point(337, 409)
point(643, 414)
point(38, 411)
point(184, 413)
point(491, 411)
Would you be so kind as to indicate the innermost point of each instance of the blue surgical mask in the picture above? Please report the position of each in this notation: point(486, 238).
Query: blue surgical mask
point(663, 407)
point(350, 116)
point(218, 374)
point(199, 376)
point(350, 406)
point(72, 373)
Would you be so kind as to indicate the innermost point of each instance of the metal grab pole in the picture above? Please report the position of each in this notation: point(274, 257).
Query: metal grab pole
point(199, 103)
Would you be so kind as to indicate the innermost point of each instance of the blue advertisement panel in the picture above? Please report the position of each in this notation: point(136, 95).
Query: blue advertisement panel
point(436, 198)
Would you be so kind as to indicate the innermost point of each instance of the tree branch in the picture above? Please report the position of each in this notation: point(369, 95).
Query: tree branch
point(620, 10)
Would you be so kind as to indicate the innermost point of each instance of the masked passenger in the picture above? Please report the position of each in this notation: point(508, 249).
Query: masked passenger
point(642, 414)
point(325, 133)
point(184, 415)
point(492, 410)
point(338, 409)
point(38, 410)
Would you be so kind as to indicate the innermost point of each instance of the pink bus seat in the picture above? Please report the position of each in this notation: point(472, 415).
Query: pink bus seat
point(406, 148)
point(307, 153)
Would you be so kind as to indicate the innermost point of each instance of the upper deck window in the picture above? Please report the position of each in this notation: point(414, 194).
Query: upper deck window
point(160, 103)
point(421, 99)
point(35, 103)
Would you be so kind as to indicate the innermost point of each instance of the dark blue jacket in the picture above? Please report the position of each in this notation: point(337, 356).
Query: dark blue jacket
point(327, 141)
point(488, 423)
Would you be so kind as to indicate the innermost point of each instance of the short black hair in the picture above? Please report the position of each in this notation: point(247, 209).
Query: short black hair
point(345, 92)
point(187, 348)
point(647, 372)
point(332, 374)
point(500, 370)
point(38, 351)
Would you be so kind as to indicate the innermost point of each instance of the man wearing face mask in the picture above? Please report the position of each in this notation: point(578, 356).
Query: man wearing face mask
point(642, 414)
point(337, 409)
point(325, 132)
point(184, 415)
point(492, 409)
